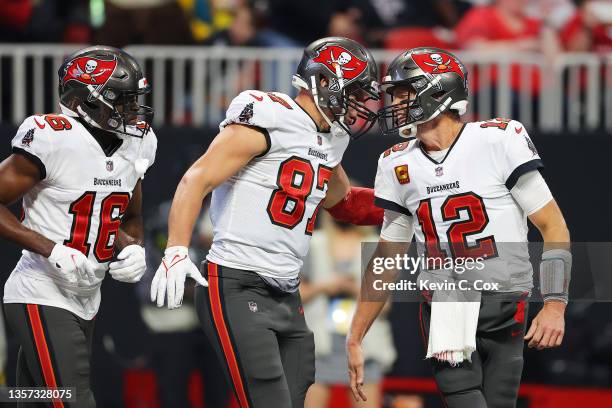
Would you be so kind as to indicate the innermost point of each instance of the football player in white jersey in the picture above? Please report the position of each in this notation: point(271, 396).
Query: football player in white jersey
point(79, 176)
point(274, 164)
point(464, 190)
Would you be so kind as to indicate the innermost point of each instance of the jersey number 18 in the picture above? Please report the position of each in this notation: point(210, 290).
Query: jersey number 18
point(108, 226)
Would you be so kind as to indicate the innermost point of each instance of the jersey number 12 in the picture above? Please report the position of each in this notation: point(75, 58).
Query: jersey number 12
point(458, 231)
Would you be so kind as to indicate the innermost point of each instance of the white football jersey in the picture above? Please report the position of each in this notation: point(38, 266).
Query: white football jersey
point(79, 202)
point(464, 198)
point(263, 216)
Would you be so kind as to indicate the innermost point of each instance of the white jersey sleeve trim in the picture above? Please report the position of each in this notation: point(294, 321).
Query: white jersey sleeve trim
point(531, 192)
point(519, 154)
point(397, 227)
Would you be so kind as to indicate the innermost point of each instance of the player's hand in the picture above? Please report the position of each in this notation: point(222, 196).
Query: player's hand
point(355, 367)
point(130, 264)
point(72, 264)
point(170, 277)
point(548, 327)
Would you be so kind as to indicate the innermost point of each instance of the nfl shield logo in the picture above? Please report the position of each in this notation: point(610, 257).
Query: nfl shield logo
point(253, 307)
point(109, 165)
point(319, 140)
point(439, 171)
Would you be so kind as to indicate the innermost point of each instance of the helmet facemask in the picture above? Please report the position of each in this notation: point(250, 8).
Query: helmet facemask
point(402, 118)
point(119, 112)
point(335, 97)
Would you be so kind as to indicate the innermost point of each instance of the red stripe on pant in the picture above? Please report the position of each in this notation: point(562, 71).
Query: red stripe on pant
point(226, 343)
point(44, 357)
point(519, 315)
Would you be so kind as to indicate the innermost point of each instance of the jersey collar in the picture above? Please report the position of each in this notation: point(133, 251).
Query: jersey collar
point(450, 149)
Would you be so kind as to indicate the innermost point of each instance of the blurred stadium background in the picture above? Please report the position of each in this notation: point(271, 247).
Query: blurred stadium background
point(546, 63)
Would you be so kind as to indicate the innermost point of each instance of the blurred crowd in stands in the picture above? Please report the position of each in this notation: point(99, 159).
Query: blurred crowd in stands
point(546, 26)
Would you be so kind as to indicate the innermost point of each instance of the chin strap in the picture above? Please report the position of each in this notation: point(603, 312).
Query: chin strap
point(315, 97)
point(83, 115)
point(358, 208)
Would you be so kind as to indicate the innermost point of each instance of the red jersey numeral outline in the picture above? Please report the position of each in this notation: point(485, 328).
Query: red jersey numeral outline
point(82, 211)
point(458, 231)
point(289, 191)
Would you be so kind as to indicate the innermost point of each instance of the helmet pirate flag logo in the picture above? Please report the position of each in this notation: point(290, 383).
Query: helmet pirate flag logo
point(89, 71)
point(438, 63)
point(334, 56)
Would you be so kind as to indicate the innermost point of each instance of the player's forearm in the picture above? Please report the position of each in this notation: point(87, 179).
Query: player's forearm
point(550, 222)
point(364, 316)
point(14, 231)
point(371, 302)
point(556, 237)
point(337, 188)
point(554, 231)
point(131, 232)
point(186, 207)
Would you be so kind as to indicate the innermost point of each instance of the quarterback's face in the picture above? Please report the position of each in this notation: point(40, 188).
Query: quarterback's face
point(401, 95)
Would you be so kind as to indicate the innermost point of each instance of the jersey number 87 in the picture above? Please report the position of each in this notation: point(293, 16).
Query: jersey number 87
point(295, 180)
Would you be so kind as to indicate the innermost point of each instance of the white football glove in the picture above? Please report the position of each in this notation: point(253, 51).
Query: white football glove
point(130, 264)
point(73, 265)
point(170, 277)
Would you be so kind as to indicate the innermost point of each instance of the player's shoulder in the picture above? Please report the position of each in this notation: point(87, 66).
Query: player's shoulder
point(52, 123)
point(268, 100)
point(398, 151)
point(260, 108)
point(52, 128)
point(496, 130)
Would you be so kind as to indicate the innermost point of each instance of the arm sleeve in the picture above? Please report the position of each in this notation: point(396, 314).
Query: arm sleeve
point(358, 208)
point(397, 227)
point(519, 154)
point(35, 144)
point(386, 190)
point(531, 192)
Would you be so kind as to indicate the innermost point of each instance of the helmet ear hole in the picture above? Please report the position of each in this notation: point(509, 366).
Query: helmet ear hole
point(438, 96)
point(323, 81)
